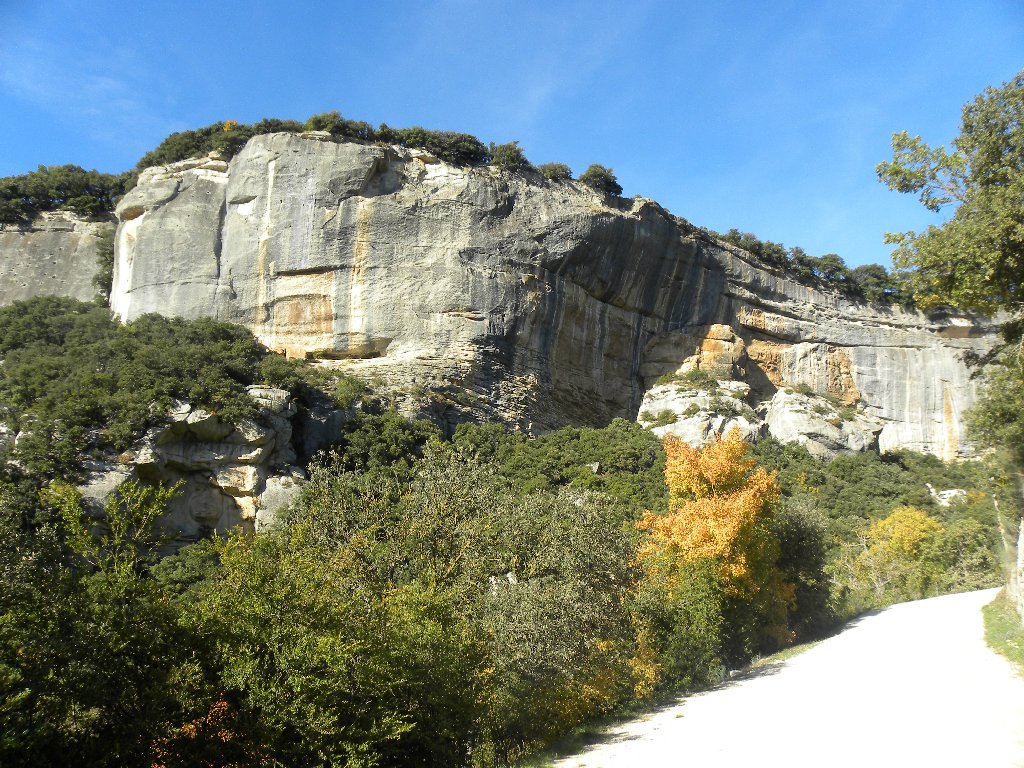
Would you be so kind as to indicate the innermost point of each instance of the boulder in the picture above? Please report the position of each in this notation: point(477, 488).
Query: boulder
point(696, 416)
point(820, 425)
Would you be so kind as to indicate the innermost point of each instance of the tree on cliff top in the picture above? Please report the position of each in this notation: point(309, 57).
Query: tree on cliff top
point(976, 259)
point(602, 179)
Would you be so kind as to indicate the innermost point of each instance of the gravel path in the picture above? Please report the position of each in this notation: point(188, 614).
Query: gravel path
point(913, 685)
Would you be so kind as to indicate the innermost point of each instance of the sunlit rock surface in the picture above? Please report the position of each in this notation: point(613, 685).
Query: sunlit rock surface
point(228, 476)
point(536, 302)
point(55, 255)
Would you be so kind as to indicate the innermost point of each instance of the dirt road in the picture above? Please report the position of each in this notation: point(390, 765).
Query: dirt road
point(913, 685)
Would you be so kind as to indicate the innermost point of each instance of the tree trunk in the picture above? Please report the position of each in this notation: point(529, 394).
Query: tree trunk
point(1017, 560)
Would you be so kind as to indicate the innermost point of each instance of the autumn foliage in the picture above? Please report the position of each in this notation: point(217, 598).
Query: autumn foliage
point(720, 512)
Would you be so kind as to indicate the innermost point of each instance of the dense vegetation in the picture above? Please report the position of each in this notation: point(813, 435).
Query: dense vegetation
point(230, 136)
point(976, 258)
point(868, 282)
point(434, 602)
point(74, 380)
point(67, 187)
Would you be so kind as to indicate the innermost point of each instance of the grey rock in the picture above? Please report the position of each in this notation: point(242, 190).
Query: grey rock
point(101, 480)
point(276, 401)
point(7, 439)
point(206, 427)
point(279, 492)
point(319, 427)
point(547, 304)
point(54, 255)
point(229, 475)
point(947, 497)
point(696, 416)
point(819, 426)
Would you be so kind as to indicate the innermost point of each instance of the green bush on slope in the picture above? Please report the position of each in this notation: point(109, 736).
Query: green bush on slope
point(73, 379)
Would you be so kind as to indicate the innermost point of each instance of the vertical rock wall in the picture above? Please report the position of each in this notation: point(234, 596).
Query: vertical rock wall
point(54, 255)
point(540, 303)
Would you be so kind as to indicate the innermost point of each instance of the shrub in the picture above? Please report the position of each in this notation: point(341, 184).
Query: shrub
point(104, 277)
point(663, 418)
point(336, 125)
point(76, 380)
point(508, 156)
point(870, 282)
point(692, 379)
point(555, 171)
point(94, 660)
point(601, 179)
point(201, 141)
point(725, 406)
point(58, 187)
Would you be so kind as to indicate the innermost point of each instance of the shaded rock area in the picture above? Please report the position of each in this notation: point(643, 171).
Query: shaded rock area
point(516, 298)
point(55, 255)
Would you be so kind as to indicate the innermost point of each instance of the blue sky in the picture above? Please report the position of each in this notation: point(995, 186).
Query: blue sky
point(767, 117)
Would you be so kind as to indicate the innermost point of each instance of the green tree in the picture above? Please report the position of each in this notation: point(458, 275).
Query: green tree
point(93, 661)
point(555, 171)
point(975, 259)
point(67, 187)
point(602, 179)
point(508, 156)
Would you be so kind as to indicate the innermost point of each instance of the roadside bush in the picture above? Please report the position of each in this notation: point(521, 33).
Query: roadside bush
point(93, 660)
point(532, 588)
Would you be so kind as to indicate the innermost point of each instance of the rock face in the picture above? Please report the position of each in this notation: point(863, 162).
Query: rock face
point(697, 414)
point(54, 255)
point(231, 476)
point(540, 303)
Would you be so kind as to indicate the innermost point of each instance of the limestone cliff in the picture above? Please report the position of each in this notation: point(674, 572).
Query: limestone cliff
point(537, 302)
point(55, 255)
point(230, 476)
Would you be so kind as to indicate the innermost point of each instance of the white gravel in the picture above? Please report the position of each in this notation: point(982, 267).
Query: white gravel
point(913, 685)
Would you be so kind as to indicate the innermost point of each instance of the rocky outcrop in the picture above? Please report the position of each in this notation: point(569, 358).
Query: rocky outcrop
point(230, 476)
point(697, 414)
point(54, 255)
point(541, 303)
point(821, 426)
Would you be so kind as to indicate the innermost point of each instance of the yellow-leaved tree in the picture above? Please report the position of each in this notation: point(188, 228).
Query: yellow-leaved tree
point(719, 523)
point(897, 558)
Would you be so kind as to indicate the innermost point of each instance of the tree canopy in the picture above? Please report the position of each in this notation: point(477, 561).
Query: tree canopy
point(976, 259)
